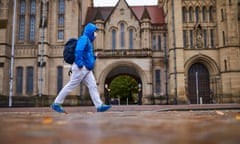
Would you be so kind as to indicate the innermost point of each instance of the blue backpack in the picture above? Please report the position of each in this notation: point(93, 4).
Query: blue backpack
point(69, 51)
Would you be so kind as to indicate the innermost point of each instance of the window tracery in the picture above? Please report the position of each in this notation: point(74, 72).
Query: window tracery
point(198, 25)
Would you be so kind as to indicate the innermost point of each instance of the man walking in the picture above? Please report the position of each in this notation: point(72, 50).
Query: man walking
point(82, 71)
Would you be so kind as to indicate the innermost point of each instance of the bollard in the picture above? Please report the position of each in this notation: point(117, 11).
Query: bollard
point(119, 101)
point(201, 102)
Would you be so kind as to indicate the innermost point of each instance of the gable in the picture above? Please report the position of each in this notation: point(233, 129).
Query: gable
point(92, 12)
point(156, 13)
point(122, 12)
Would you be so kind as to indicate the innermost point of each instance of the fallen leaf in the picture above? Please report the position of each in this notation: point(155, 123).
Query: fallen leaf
point(61, 122)
point(47, 120)
point(219, 113)
point(238, 116)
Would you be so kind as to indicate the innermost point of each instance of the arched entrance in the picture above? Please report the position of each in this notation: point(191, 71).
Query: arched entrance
point(122, 70)
point(198, 84)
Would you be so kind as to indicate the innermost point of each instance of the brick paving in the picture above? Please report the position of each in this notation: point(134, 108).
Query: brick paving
point(147, 124)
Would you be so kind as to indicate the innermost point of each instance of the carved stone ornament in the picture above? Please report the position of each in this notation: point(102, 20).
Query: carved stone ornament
point(198, 36)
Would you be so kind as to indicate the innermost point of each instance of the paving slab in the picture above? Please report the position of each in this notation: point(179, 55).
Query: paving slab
point(121, 125)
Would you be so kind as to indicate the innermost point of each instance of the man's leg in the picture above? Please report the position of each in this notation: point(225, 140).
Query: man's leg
point(76, 78)
point(90, 82)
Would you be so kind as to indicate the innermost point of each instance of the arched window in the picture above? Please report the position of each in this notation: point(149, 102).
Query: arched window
point(197, 14)
point(225, 64)
point(204, 11)
point(184, 38)
point(211, 13)
point(223, 37)
point(22, 20)
point(157, 81)
point(159, 43)
point(19, 80)
point(238, 9)
point(122, 35)
point(30, 80)
point(61, 11)
point(113, 39)
point(190, 14)
point(61, 7)
point(131, 38)
point(205, 38)
point(60, 34)
point(32, 20)
point(154, 42)
point(164, 40)
point(61, 21)
point(59, 78)
point(222, 14)
point(184, 14)
point(191, 38)
point(212, 37)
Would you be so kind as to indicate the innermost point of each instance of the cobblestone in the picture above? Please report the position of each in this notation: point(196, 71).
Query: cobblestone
point(208, 124)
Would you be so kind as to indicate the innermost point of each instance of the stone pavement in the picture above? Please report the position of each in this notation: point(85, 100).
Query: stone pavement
point(165, 124)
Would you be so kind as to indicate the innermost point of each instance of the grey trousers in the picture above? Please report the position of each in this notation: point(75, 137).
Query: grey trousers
point(78, 75)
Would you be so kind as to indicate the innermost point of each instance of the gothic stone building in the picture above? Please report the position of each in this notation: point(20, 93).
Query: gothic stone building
point(179, 51)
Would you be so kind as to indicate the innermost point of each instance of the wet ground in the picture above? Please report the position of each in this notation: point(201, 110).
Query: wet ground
point(191, 124)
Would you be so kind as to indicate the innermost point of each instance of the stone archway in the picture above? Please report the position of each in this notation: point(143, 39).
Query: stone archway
point(208, 67)
point(198, 84)
point(122, 70)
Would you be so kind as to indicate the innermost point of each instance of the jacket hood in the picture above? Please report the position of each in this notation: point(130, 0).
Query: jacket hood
point(89, 31)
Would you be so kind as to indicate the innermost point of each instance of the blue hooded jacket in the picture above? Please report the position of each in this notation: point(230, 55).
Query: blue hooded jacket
point(84, 53)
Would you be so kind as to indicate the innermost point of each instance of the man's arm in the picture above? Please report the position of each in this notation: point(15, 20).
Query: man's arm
point(81, 44)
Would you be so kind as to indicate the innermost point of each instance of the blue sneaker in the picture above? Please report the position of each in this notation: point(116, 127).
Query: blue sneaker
point(103, 108)
point(58, 108)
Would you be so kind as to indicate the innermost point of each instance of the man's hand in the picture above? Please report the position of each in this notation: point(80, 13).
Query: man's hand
point(69, 72)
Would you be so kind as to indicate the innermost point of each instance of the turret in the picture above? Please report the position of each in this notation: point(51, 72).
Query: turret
point(99, 42)
point(146, 29)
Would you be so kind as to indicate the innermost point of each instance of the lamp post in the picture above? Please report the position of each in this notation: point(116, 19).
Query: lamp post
point(42, 48)
point(107, 90)
point(140, 94)
point(12, 55)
